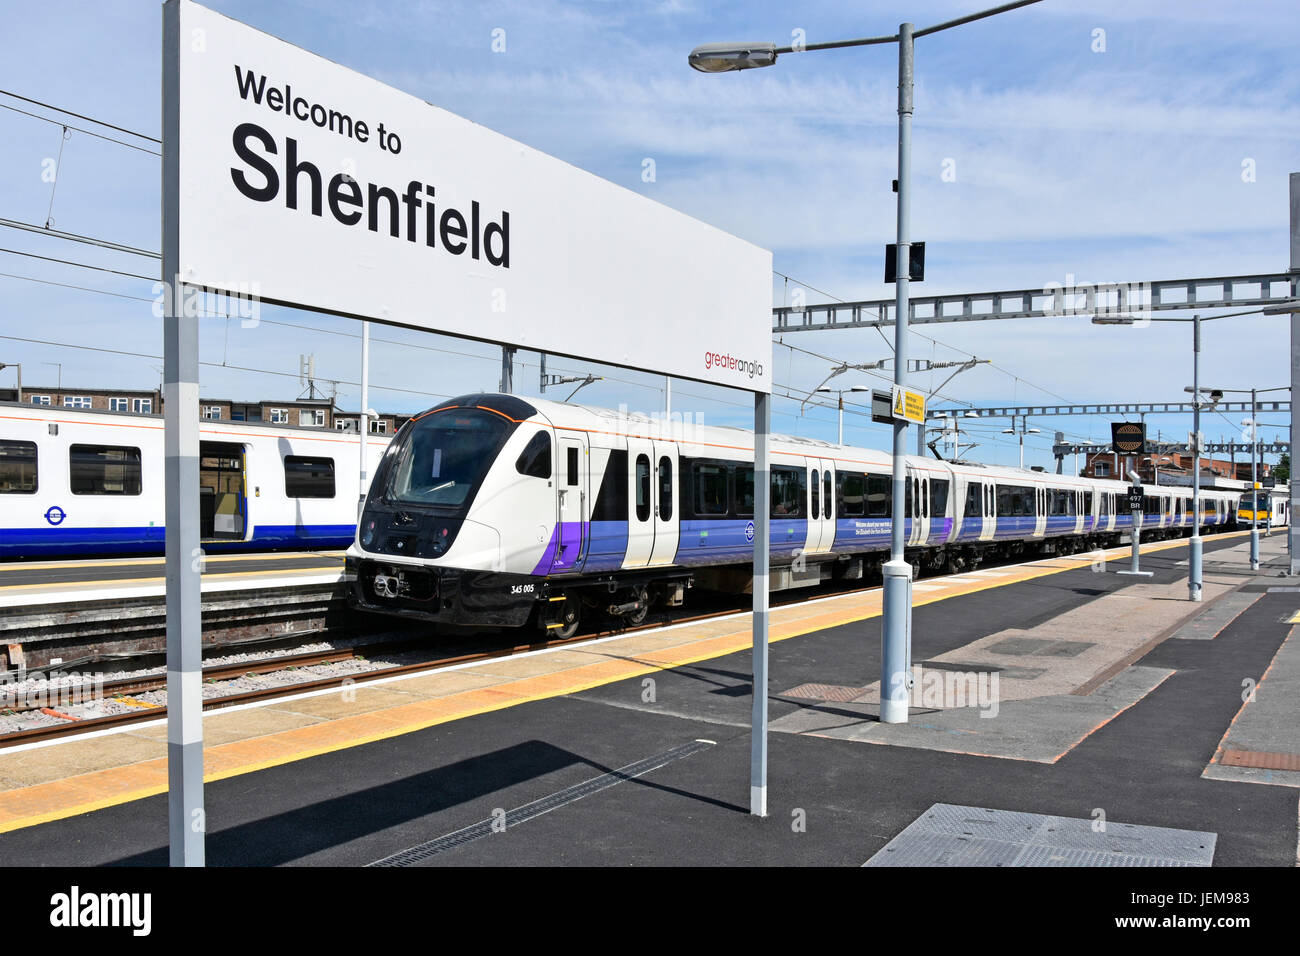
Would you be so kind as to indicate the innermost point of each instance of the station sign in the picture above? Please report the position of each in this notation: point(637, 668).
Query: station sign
point(1128, 438)
point(1135, 498)
point(1269, 482)
point(907, 404)
point(306, 184)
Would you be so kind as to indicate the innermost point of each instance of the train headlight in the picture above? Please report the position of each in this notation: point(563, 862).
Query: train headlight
point(368, 534)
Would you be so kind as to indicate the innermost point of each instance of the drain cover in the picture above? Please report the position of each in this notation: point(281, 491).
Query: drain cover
point(950, 835)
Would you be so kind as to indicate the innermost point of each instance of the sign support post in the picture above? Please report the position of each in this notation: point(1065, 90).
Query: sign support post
point(896, 616)
point(184, 556)
point(762, 510)
point(1135, 506)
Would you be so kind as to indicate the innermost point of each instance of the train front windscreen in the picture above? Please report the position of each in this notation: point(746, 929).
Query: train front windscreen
point(1257, 508)
point(445, 457)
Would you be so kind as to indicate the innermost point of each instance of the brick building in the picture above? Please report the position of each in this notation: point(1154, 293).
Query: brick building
point(298, 412)
point(1173, 467)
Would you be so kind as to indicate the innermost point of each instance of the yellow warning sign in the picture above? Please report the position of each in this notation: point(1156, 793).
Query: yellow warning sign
point(909, 405)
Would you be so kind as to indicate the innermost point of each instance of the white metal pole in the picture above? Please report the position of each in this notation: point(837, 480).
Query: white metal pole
point(896, 623)
point(1254, 482)
point(762, 511)
point(1194, 549)
point(184, 555)
point(1293, 530)
point(363, 420)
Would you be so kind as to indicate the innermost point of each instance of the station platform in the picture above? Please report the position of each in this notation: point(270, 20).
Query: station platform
point(24, 583)
point(1063, 714)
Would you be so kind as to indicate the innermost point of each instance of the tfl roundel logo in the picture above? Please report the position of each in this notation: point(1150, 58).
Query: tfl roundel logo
point(55, 515)
point(749, 531)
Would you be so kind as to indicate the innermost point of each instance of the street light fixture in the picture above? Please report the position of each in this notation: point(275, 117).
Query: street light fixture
point(841, 391)
point(729, 57)
point(1022, 432)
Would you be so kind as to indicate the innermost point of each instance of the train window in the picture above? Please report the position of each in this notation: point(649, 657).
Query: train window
point(308, 477)
point(907, 498)
point(665, 489)
point(535, 459)
point(710, 487)
point(787, 492)
point(642, 488)
point(879, 496)
point(1015, 501)
point(828, 511)
point(1087, 502)
point(924, 490)
point(611, 499)
point(816, 494)
point(974, 498)
point(744, 476)
point(938, 497)
point(853, 494)
point(104, 470)
point(17, 467)
point(571, 466)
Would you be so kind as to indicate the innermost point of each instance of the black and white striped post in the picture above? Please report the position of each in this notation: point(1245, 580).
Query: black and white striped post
point(184, 559)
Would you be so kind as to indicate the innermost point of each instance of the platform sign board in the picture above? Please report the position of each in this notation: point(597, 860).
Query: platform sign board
point(307, 184)
point(1135, 498)
point(1128, 438)
point(907, 404)
point(882, 407)
point(1268, 482)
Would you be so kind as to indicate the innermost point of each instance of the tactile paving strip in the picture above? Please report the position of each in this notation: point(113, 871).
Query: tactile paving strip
point(951, 835)
point(1260, 760)
point(831, 692)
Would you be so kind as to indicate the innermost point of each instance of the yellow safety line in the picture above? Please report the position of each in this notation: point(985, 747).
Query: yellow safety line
point(731, 644)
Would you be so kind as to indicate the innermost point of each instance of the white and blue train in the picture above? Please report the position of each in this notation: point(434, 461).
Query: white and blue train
point(492, 510)
point(91, 482)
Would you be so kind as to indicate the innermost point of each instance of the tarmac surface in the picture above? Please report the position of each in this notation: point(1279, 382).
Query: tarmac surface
point(1139, 705)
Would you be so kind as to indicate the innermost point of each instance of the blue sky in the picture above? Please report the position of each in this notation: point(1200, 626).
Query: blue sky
point(1123, 164)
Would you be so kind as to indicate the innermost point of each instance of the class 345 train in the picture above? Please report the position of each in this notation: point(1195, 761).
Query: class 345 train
point(497, 511)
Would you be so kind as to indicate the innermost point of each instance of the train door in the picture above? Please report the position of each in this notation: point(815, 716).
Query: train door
point(990, 513)
point(223, 497)
point(572, 504)
point(1040, 512)
point(916, 506)
point(640, 505)
point(821, 512)
point(665, 482)
point(813, 505)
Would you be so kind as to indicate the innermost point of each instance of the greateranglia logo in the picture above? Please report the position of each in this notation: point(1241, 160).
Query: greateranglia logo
point(75, 909)
point(731, 363)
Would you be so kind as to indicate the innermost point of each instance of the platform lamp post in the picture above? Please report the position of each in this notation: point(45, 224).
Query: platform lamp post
point(1022, 433)
point(896, 624)
point(1194, 578)
point(840, 391)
